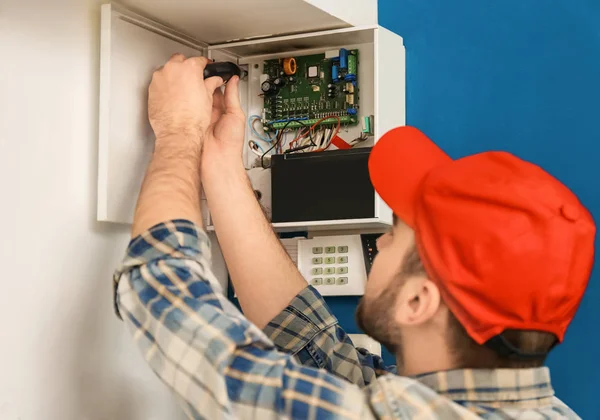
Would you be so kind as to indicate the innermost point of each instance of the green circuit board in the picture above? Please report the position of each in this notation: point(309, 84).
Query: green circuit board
point(312, 92)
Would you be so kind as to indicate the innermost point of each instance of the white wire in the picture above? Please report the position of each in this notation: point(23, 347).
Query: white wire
point(263, 137)
point(253, 149)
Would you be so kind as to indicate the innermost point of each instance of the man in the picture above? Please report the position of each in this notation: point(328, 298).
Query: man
point(477, 280)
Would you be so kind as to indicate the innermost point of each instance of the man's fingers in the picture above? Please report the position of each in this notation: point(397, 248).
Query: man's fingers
point(219, 100)
point(177, 57)
point(199, 62)
point(232, 96)
point(212, 83)
point(218, 107)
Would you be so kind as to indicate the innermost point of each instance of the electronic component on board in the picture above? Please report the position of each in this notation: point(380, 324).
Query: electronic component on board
point(334, 73)
point(313, 71)
point(352, 65)
point(343, 58)
point(289, 66)
point(367, 125)
point(268, 88)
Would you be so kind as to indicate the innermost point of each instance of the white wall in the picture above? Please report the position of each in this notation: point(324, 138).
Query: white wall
point(63, 354)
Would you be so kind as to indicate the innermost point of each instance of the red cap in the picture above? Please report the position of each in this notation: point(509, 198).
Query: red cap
point(509, 246)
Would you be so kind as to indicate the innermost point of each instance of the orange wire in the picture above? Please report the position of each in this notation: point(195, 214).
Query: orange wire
point(301, 135)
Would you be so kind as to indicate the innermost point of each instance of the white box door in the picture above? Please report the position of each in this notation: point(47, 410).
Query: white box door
point(131, 49)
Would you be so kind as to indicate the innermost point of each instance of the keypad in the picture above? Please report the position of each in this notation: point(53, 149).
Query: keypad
point(329, 265)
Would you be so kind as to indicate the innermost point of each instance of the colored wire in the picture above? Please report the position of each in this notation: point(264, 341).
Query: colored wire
point(255, 148)
point(311, 128)
point(299, 135)
point(279, 136)
point(251, 120)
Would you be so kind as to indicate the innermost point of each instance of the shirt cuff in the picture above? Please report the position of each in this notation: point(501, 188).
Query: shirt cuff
point(298, 324)
point(180, 239)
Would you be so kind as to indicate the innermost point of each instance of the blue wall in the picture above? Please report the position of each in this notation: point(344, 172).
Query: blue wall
point(521, 76)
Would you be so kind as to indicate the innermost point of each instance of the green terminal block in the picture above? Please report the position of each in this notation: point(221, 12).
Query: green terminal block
point(344, 120)
point(367, 125)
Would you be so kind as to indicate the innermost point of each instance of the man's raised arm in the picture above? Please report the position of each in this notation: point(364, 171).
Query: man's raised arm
point(264, 276)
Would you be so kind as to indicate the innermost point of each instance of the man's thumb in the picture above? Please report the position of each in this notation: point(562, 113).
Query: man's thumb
point(212, 83)
point(232, 96)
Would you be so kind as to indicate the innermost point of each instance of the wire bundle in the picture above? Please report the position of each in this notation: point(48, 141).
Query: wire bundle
point(314, 138)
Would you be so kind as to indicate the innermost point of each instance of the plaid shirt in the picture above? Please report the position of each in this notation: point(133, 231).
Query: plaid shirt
point(220, 366)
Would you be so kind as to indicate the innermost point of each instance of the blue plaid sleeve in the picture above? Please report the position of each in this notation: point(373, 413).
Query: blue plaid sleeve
point(215, 361)
point(308, 330)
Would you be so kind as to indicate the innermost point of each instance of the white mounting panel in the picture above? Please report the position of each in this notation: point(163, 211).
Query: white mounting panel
point(382, 90)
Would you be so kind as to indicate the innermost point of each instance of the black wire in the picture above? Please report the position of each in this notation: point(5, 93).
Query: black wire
point(310, 137)
point(279, 137)
point(297, 149)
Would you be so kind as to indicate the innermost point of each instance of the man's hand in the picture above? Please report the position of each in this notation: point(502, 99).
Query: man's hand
point(263, 275)
point(180, 105)
point(180, 102)
point(224, 140)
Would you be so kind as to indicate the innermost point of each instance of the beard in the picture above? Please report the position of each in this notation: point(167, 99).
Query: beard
point(375, 316)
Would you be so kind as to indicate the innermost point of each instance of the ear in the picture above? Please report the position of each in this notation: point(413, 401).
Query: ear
point(418, 301)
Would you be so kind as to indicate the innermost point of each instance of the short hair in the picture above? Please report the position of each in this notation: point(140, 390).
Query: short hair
point(467, 353)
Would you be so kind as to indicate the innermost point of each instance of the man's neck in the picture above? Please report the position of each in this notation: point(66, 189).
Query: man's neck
point(414, 361)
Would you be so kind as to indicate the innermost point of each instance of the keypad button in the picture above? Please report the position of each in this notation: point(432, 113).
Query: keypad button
point(316, 270)
point(317, 250)
point(330, 250)
point(341, 280)
point(329, 270)
point(329, 260)
point(329, 281)
point(317, 260)
point(342, 270)
point(342, 260)
point(317, 281)
point(342, 249)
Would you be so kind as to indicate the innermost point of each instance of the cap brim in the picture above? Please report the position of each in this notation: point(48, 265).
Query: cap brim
point(399, 162)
